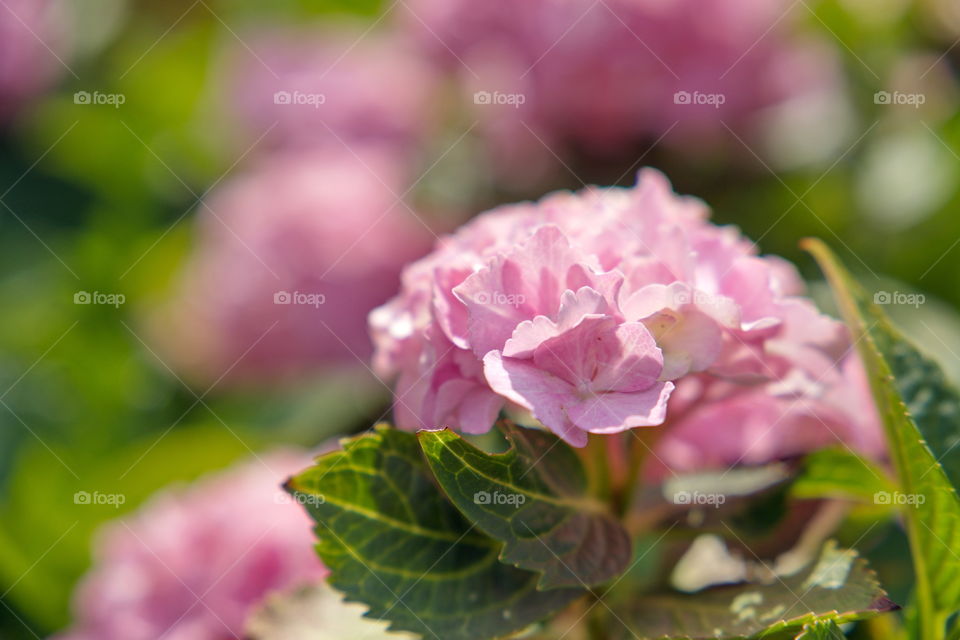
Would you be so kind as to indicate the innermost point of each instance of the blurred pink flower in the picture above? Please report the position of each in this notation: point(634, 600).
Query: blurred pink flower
point(192, 563)
point(332, 88)
point(586, 309)
point(602, 76)
point(32, 36)
point(290, 258)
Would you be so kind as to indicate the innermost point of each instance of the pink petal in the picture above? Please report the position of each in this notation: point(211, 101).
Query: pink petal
point(524, 283)
point(479, 410)
point(574, 307)
point(613, 412)
point(574, 356)
point(631, 362)
point(546, 396)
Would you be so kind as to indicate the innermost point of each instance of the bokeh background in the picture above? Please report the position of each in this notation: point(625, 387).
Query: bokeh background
point(202, 200)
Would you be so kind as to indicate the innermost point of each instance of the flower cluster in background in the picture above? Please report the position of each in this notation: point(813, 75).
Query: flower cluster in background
point(291, 257)
point(194, 563)
point(33, 37)
point(604, 78)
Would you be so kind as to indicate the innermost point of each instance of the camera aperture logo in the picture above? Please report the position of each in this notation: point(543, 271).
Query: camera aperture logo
point(300, 298)
point(97, 498)
point(299, 98)
point(498, 497)
point(99, 297)
point(699, 98)
point(698, 498)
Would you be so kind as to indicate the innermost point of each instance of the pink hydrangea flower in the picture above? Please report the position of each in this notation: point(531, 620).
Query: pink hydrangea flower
point(32, 36)
point(587, 309)
point(192, 564)
point(715, 425)
point(291, 257)
point(332, 88)
point(603, 76)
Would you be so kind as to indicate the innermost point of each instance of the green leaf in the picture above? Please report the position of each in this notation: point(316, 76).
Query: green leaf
point(932, 402)
point(838, 587)
point(932, 512)
point(822, 631)
point(534, 499)
point(314, 612)
point(393, 542)
point(839, 473)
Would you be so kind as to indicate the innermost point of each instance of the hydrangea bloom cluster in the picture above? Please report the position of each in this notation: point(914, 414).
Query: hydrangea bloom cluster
point(291, 257)
point(193, 564)
point(332, 88)
point(32, 36)
point(589, 310)
point(596, 76)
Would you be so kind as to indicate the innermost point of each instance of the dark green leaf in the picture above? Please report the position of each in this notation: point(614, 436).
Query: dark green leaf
point(534, 499)
point(931, 505)
point(393, 542)
point(822, 631)
point(837, 587)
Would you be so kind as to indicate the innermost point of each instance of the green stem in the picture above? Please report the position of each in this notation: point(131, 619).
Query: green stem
point(619, 469)
point(596, 627)
point(595, 459)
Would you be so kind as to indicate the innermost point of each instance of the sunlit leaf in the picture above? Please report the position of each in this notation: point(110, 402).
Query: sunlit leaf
point(898, 373)
point(395, 543)
point(534, 499)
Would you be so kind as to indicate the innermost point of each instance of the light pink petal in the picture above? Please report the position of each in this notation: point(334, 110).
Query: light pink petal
point(479, 410)
point(451, 314)
point(544, 395)
point(632, 361)
point(448, 399)
point(524, 283)
point(679, 296)
point(575, 355)
point(613, 412)
point(690, 342)
point(515, 287)
point(574, 307)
